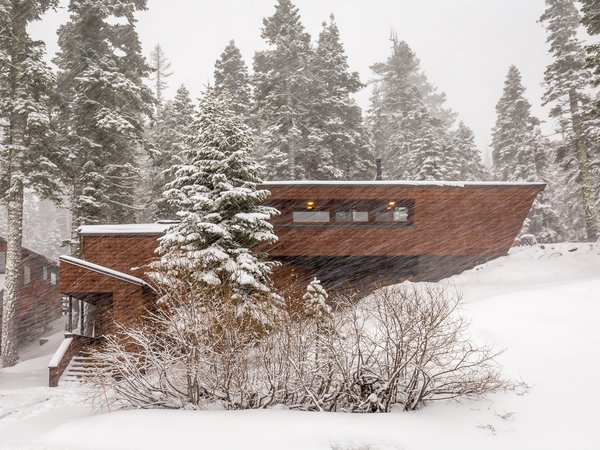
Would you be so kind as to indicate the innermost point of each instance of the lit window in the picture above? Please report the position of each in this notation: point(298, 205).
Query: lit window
point(26, 275)
point(53, 278)
point(311, 216)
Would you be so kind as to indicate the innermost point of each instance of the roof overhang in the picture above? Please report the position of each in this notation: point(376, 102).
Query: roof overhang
point(103, 270)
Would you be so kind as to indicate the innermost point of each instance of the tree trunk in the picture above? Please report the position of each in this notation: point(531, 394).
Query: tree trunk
point(9, 355)
point(587, 190)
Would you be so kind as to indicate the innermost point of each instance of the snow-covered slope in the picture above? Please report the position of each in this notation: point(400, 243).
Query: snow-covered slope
point(540, 304)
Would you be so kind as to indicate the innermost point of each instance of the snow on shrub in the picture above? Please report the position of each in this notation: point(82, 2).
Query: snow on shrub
point(402, 346)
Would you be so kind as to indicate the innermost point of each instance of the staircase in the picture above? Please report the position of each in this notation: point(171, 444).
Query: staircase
point(79, 369)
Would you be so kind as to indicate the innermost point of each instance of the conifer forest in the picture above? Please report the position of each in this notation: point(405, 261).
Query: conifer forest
point(284, 206)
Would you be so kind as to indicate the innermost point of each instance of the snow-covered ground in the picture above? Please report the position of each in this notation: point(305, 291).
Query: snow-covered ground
point(540, 304)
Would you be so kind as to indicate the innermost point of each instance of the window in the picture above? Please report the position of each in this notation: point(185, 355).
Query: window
point(2, 262)
point(352, 216)
point(392, 213)
point(311, 216)
point(44, 273)
point(53, 278)
point(26, 274)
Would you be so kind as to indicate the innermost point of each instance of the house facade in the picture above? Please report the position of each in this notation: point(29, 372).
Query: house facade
point(352, 232)
point(39, 294)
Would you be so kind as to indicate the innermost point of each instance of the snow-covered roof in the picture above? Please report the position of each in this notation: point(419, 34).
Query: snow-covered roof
point(103, 270)
point(403, 183)
point(135, 228)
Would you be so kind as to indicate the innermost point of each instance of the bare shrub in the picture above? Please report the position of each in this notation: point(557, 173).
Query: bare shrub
point(404, 345)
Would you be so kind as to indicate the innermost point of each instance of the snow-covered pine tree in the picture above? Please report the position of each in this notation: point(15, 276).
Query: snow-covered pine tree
point(519, 153)
point(219, 206)
point(403, 122)
point(591, 19)
point(169, 141)
point(468, 165)
point(567, 82)
point(161, 70)
point(104, 101)
point(316, 308)
point(339, 141)
point(232, 80)
point(282, 87)
point(29, 157)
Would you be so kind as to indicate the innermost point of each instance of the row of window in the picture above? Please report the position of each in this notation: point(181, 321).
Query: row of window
point(44, 273)
point(343, 211)
point(398, 214)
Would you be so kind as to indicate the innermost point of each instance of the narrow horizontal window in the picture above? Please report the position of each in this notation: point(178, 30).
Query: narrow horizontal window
point(351, 216)
point(311, 216)
point(396, 214)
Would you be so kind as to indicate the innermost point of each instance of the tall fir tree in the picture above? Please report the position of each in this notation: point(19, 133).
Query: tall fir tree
point(282, 87)
point(233, 80)
point(161, 70)
point(468, 165)
point(591, 19)
point(567, 82)
point(169, 142)
point(221, 216)
point(519, 153)
point(410, 130)
point(29, 158)
point(339, 140)
point(104, 102)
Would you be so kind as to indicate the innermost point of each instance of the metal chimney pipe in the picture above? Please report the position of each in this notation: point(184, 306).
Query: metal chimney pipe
point(379, 175)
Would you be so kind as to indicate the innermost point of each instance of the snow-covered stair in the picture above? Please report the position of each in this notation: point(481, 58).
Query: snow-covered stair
point(78, 369)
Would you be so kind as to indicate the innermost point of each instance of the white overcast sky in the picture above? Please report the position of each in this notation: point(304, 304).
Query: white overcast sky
point(465, 46)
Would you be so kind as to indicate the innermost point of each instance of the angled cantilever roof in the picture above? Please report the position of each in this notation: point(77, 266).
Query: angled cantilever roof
point(401, 183)
point(103, 270)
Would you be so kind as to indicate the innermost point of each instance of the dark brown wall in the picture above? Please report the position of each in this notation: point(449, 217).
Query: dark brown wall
point(447, 221)
point(125, 253)
point(39, 300)
point(128, 300)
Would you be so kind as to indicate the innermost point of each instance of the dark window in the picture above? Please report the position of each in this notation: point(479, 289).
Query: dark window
point(26, 274)
point(352, 216)
point(392, 214)
point(2, 262)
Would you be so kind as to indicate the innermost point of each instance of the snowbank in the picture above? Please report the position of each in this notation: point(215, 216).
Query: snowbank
point(540, 304)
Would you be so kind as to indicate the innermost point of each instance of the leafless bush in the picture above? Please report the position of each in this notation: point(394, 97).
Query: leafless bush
point(403, 345)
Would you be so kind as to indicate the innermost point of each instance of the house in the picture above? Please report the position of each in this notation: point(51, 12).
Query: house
point(39, 295)
point(339, 231)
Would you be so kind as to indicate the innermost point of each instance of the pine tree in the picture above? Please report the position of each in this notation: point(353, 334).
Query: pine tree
point(591, 20)
point(282, 86)
point(468, 165)
point(520, 154)
point(169, 139)
point(339, 140)
point(160, 66)
point(316, 308)
point(407, 120)
point(104, 101)
point(29, 158)
point(215, 194)
point(567, 81)
point(232, 79)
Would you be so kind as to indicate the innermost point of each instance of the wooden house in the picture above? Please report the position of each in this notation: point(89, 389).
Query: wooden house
point(39, 295)
point(339, 231)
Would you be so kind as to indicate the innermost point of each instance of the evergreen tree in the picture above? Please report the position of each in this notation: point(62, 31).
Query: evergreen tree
point(169, 139)
point(29, 158)
point(215, 194)
point(567, 83)
point(160, 67)
point(104, 101)
point(338, 139)
point(282, 86)
point(233, 80)
point(520, 154)
point(316, 307)
point(591, 20)
point(407, 120)
point(468, 165)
